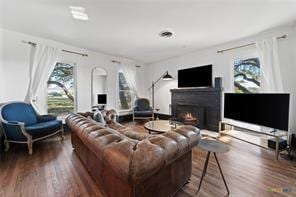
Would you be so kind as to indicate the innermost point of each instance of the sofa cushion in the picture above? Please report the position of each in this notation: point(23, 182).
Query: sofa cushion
point(20, 112)
point(44, 128)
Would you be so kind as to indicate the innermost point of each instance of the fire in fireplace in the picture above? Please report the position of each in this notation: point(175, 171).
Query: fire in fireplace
point(190, 119)
point(194, 115)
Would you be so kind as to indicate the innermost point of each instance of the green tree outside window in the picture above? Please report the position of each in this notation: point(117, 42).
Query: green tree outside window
point(247, 75)
point(61, 90)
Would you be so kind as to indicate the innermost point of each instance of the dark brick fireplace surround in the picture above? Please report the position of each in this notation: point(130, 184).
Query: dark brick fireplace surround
point(201, 105)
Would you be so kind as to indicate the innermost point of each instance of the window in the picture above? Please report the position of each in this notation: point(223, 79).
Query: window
point(125, 93)
point(61, 91)
point(247, 75)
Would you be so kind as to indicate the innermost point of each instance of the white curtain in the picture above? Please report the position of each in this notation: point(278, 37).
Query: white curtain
point(130, 73)
point(42, 62)
point(271, 78)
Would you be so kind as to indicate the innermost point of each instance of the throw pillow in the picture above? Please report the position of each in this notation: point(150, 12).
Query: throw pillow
point(98, 116)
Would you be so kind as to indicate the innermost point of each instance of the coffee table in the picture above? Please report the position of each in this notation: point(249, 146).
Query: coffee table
point(161, 126)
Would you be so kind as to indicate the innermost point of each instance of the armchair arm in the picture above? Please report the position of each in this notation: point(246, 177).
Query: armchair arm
point(46, 118)
point(15, 130)
point(13, 124)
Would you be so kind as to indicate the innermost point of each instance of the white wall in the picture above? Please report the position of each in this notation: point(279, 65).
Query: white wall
point(2, 85)
point(14, 69)
point(223, 67)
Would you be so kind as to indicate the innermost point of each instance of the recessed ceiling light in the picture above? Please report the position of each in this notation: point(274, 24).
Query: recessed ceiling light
point(166, 34)
point(78, 13)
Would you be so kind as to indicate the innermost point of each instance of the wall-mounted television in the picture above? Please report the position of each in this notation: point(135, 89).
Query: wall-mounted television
point(270, 110)
point(102, 98)
point(195, 77)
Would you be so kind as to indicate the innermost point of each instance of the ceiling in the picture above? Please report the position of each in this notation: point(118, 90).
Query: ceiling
point(130, 28)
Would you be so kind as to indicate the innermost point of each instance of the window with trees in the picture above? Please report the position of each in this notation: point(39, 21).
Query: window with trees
point(125, 93)
point(247, 75)
point(61, 91)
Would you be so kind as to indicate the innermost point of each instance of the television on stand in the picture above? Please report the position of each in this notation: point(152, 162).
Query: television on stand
point(269, 110)
point(102, 99)
point(195, 77)
point(101, 102)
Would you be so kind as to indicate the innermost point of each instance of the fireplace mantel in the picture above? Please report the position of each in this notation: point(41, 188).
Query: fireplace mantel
point(209, 89)
point(206, 102)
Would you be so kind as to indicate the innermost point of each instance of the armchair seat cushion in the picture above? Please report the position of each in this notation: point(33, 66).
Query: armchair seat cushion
point(46, 118)
point(143, 113)
point(44, 128)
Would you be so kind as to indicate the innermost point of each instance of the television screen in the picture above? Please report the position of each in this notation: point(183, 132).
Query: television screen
point(195, 77)
point(102, 98)
point(270, 110)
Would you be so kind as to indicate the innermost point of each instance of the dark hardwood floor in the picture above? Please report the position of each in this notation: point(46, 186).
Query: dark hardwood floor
point(55, 170)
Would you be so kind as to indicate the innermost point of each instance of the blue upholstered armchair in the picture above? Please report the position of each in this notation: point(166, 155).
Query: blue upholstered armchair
point(21, 124)
point(142, 109)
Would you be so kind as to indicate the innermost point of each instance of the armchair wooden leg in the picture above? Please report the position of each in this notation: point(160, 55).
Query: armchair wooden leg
point(30, 147)
point(62, 133)
point(6, 144)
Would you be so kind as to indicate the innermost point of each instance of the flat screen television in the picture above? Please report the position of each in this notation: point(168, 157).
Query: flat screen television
point(195, 77)
point(270, 110)
point(102, 98)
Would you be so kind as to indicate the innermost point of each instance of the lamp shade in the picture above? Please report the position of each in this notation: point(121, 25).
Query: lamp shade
point(167, 77)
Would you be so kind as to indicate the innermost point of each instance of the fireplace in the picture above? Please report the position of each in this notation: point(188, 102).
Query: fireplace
point(200, 107)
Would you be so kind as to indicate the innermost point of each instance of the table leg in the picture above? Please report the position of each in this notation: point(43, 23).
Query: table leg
point(277, 148)
point(221, 174)
point(204, 170)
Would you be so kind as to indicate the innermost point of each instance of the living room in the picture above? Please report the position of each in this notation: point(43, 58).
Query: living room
point(216, 79)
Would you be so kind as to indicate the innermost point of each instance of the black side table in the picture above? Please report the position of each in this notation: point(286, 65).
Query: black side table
point(212, 146)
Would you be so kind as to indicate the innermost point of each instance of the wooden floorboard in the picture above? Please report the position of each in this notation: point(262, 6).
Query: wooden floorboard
point(55, 170)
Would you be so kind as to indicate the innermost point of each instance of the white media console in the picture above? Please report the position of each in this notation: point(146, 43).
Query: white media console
point(238, 129)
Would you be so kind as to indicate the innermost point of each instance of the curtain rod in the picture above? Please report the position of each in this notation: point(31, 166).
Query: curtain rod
point(246, 45)
point(118, 62)
point(64, 50)
point(115, 61)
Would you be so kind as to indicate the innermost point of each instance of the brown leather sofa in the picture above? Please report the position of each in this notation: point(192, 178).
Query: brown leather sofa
point(127, 164)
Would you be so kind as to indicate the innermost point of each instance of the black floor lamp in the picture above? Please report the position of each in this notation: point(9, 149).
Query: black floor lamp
point(166, 77)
